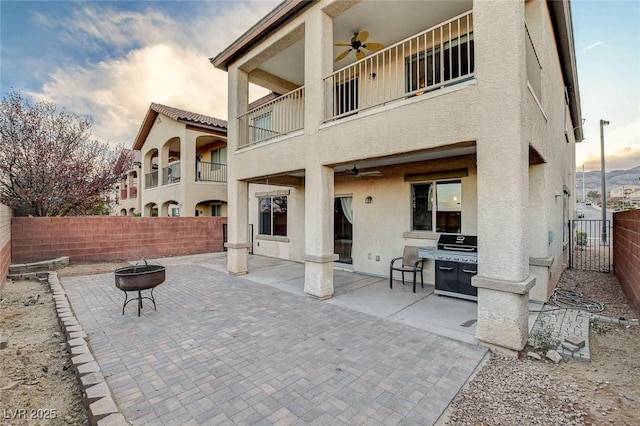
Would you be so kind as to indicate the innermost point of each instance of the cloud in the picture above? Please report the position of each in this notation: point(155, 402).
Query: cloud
point(622, 159)
point(593, 45)
point(622, 146)
point(149, 57)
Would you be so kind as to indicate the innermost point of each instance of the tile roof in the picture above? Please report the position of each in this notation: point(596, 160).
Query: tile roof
point(182, 115)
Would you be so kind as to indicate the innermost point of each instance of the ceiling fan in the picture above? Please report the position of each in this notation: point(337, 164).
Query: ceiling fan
point(356, 172)
point(358, 43)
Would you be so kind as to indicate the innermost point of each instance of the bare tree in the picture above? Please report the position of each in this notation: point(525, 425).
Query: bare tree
point(49, 166)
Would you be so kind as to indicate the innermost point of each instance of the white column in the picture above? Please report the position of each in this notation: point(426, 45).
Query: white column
point(319, 193)
point(503, 278)
point(319, 256)
point(237, 190)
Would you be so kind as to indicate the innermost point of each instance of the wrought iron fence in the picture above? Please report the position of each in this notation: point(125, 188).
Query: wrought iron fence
point(151, 179)
point(591, 242)
point(211, 172)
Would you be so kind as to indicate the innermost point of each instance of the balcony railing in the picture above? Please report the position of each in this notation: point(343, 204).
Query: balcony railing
point(133, 192)
point(435, 58)
point(276, 118)
point(171, 174)
point(151, 179)
point(211, 172)
point(123, 194)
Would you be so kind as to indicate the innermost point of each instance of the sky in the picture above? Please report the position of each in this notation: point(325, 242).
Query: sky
point(111, 59)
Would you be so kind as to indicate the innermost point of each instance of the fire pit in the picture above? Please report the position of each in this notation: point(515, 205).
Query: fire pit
point(138, 278)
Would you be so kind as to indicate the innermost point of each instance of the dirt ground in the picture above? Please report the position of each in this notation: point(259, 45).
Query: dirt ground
point(37, 385)
point(601, 391)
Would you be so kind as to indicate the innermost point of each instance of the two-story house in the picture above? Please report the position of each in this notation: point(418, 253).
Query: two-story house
point(126, 195)
point(183, 163)
point(394, 122)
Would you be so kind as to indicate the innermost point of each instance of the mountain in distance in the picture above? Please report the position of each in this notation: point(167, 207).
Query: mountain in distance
point(613, 179)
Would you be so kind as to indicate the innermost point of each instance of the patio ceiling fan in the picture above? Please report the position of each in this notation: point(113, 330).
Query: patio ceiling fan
point(358, 44)
point(356, 172)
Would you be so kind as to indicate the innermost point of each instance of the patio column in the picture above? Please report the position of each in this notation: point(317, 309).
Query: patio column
point(237, 190)
point(503, 279)
point(319, 256)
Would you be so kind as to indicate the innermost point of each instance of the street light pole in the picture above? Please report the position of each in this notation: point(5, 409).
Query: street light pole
point(602, 173)
point(584, 197)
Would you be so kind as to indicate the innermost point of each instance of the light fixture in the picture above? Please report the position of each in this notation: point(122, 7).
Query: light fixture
point(368, 200)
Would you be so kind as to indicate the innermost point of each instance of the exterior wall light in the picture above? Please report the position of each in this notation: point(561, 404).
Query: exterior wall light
point(368, 200)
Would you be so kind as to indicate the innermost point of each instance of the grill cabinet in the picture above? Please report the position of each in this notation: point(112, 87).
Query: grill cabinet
point(456, 261)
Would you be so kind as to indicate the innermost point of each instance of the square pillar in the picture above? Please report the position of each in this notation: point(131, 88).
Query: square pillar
point(503, 278)
point(238, 190)
point(238, 228)
point(319, 256)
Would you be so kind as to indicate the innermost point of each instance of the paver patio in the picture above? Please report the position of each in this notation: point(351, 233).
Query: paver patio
point(222, 349)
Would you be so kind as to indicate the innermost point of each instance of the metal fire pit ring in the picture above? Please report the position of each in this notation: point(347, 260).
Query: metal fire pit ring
point(138, 278)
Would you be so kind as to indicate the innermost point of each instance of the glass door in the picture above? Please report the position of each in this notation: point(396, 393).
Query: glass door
point(343, 228)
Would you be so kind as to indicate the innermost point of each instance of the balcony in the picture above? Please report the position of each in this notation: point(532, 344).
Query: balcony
point(123, 194)
point(151, 180)
point(171, 173)
point(432, 50)
point(133, 192)
point(273, 119)
point(211, 172)
point(433, 59)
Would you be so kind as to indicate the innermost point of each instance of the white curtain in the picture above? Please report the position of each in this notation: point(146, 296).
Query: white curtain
point(347, 208)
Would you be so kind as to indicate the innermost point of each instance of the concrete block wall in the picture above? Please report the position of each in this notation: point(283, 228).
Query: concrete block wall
point(5, 243)
point(109, 238)
point(626, 254)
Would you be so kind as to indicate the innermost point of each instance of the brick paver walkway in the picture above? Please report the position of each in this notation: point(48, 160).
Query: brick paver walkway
point(224, 350)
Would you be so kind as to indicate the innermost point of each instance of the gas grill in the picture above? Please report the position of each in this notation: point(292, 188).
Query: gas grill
point(456, 261)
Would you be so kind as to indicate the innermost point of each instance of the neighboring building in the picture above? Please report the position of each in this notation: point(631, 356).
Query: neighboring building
point(626, 195)
point(183, 159)
point(442, 117)
point(127, 195)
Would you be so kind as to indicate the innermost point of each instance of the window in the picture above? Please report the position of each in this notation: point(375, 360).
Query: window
point(534, 69)
point(273, 216)
point(219, 156)
point(347, 96)
point(442, 213)
point(457, 61)
point(261, 127)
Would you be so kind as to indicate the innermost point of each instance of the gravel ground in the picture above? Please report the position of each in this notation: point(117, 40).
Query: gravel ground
point(507, 391)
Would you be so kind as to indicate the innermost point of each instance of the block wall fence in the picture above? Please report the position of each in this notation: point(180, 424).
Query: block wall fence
point(626, 254)
point(109, 238)
point(5, 243)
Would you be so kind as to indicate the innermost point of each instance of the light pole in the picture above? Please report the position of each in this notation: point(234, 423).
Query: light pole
point(602, 173)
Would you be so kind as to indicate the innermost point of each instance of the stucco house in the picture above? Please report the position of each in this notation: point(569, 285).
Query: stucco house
point(182, 167)
point(126, 195)
point(394, 123)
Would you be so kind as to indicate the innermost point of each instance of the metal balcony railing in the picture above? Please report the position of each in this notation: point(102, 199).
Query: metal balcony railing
point(171, 173)
point(435, 58)
point(133, 192)
point(211, 172)
point(276, 118)
point(151, 179)
point(123, 194)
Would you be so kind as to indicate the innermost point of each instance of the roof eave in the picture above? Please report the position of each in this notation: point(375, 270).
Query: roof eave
point(563, 27)
point(272, 21)
point(145, 128)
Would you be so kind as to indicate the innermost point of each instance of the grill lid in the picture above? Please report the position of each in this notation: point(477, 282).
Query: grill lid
point(454, 242)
